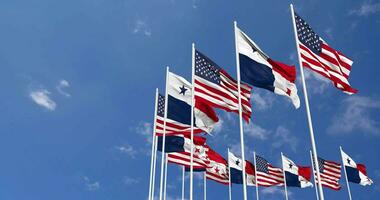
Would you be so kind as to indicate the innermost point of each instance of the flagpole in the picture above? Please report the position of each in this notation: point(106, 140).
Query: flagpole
point(166, 174)
point(154, 165)
point(204, 186)
point(310, 123)
point(283, 172)
point(257, 185)
point(153, 145)
point(240, 114)
point(345, 173)
point(192, 119)
point(315, 180)
point(229, 175)
point(183, 182)
point(164, 135)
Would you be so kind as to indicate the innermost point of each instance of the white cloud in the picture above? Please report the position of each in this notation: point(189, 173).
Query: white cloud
point(145, 129)
point(261, 100)
point(61, 86)
point(218, 127)
point(355, 115)
point(293, 56)
point(41, 97)
point(141, 27)
point(274, 190)
point(195, 4)
point(316, 83)
point(130, 181)
point(91, 186)
point(329, 34)
point(256, 131)
point(127, 149)
point(366, 8)
point(283, 137)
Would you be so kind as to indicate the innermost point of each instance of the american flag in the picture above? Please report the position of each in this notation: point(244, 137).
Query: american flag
point(200, 155)
point(317, 55)
point(330, 173)
point(172, 127)
point(217, 168)
point(217, 88)
point(267, 175)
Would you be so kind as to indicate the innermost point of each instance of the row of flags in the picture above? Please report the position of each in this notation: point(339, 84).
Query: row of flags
point(260, 172)
point(187, 109)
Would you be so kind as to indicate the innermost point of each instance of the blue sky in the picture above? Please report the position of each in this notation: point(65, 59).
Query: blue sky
point(78, 80)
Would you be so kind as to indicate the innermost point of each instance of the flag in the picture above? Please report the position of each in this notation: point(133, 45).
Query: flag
point(179, 143)
point(356, 173)
point(296, 176)
point(217, 169)
point(329, 172)
point(267, 175)
point(259, 70)
point(200, 160)
point(215, 87)
point(317, 55)
point(236, 169)
point(179, 105)
point(172, 127)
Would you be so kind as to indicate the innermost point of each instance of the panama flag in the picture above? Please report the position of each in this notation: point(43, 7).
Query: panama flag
point(355, 172)
point(218, 168)
point(258, 69)
point(179, 143)
point(236, 169)
point(179, 105)
point(296, 176)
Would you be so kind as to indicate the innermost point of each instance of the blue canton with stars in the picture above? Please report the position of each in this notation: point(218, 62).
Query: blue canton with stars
point(160, 105)
point(206, 68)
point(262, 164)
point(307, 36)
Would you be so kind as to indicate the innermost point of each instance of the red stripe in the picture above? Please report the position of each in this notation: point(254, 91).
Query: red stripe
point(333, 78)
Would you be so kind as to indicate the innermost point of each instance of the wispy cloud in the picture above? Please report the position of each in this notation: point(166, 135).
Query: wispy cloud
point(317, 84)
point(355, 114)
point(262, 100)
point(62, 85)
point(42, 98)
point(218, 127)
point(283, 137)
point(145, 129)
point(366, 8)
point(91, 186)
point(141, 27)
point(256, 131)
point(329, 34)
point(127, 149)
point(274, 190)
point(130, 181)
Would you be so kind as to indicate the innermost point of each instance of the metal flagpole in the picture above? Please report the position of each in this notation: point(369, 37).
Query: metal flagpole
point(310, 123)
point(257, 185)
point(154, 166)
point(229, 175)
point(315, 180)
point(345, 173)
point(164, 135)
point(166, 175)
point(283, 172)
point(192, 119)
point(183, 182)
point(153, 145)
point(204, 186)
point(240, 114)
